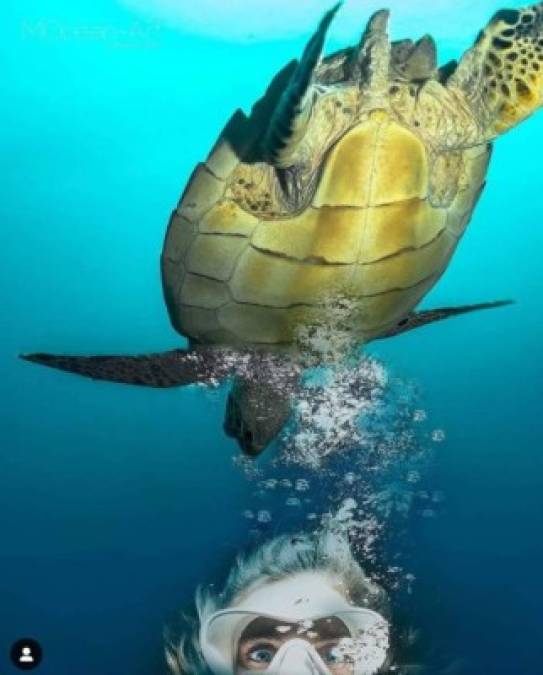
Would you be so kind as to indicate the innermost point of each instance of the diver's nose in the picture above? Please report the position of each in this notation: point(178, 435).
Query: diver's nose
point(297, 660)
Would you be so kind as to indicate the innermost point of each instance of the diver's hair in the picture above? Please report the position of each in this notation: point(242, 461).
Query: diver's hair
point(279, 558)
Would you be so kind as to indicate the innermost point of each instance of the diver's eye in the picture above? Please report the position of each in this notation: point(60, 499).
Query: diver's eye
point(262, 654)
point(256, 655)
point(333, 655)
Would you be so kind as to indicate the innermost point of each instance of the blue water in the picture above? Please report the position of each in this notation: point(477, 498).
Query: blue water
point(115, 501)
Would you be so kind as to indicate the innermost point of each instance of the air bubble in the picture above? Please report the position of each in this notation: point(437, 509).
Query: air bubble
point(302, 485)
point(264, 516)
point(438, 435)
point(419, 416)
point(413, 477)
point(293, 501)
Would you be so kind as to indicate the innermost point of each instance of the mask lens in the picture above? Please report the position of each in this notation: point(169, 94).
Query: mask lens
point(264, 637)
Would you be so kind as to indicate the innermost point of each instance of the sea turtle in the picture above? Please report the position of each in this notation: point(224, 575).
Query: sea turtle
point(353, 178)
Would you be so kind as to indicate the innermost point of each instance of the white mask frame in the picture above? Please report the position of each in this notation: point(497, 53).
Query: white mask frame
point(220, 652)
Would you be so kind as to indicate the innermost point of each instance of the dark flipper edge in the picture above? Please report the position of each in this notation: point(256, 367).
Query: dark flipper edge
point(418, 319)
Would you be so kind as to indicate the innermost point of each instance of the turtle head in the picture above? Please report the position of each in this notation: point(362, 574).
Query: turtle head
point(243, 423)
point(257, 409)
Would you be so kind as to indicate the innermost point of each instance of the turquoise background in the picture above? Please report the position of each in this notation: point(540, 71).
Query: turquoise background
point(115, 501)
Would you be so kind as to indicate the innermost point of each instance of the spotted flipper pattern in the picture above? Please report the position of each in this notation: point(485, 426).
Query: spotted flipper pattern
point(502, 75)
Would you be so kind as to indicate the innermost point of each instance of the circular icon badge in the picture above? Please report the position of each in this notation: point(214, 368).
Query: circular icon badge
point(26, 654)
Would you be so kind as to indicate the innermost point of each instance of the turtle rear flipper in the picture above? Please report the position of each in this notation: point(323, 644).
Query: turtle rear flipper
point(501, 77)
point(163, 370)
point(290, 119)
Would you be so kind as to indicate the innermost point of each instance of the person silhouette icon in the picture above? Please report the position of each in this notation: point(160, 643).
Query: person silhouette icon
point(26, 655)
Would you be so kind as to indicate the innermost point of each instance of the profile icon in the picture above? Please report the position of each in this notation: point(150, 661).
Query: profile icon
point(26, 654)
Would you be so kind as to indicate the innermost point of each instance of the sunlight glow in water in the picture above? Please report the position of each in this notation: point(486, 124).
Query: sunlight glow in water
point(271, 19)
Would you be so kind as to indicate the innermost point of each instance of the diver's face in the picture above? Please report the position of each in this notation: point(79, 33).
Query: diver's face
point(264, 637)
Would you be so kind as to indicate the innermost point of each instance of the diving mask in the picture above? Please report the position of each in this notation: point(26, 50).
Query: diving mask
point(317, 633)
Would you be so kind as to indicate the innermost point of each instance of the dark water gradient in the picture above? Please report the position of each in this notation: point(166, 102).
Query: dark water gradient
point(115, 502)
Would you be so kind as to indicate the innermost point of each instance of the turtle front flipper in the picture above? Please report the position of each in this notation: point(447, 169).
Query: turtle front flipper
point(427, 316)
point(164, 370)
point(501, 77)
